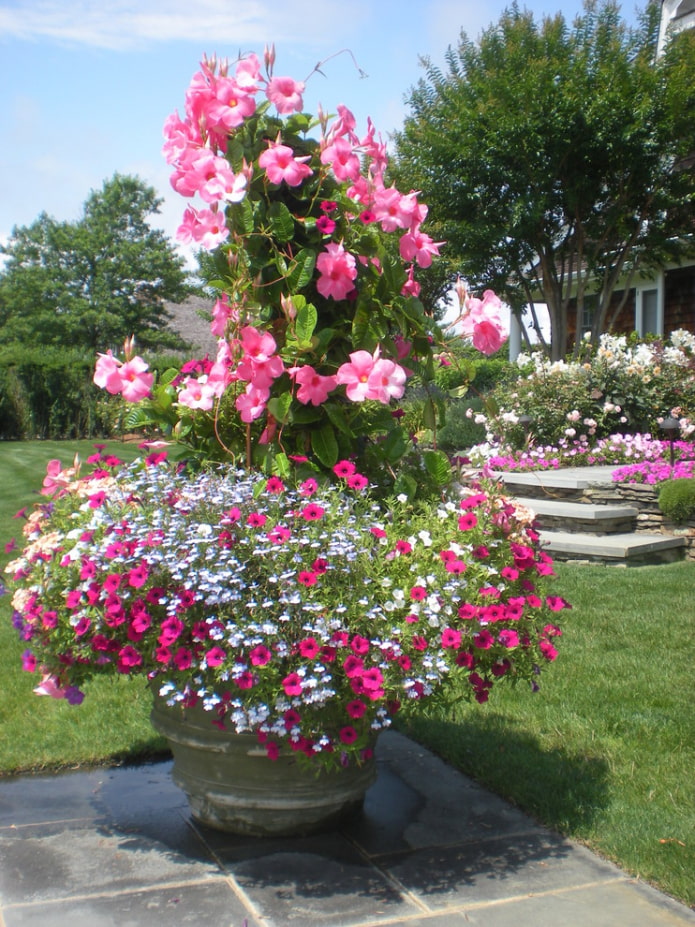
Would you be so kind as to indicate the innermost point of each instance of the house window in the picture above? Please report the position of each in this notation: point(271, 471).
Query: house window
point(649, 309)
point(588, 311)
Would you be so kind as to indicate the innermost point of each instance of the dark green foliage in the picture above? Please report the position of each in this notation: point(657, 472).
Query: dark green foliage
point(677, 499)
point(94, 282)
point(48, 393)
point(459, 432)
point(550, 146)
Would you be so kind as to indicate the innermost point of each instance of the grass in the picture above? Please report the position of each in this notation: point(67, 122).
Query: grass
point(604, 753)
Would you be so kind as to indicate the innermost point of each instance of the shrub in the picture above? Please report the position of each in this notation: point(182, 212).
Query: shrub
point(460, 431)
point(618, 388)
point(677, 499)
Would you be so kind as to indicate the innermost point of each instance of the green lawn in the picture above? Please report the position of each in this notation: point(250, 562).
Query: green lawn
point(604, 753)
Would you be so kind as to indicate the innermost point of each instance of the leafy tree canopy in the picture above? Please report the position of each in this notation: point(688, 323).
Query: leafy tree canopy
point(552, 157)
point(94, 282)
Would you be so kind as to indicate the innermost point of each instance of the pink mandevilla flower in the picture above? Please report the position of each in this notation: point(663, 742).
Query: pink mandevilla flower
point(285, 94)
point(338, 270)
point(280, 164)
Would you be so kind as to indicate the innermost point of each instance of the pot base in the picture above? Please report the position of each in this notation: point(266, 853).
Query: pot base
point(233, 786)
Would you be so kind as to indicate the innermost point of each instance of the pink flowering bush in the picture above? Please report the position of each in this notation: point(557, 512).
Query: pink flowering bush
point(306, 613)
point(313, 257)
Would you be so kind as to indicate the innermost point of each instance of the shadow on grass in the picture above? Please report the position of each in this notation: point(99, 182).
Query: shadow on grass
point(566, 791)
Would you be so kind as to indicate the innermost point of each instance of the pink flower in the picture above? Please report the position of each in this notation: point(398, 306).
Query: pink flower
point(481, 320)
point(451, 638)
point(483, 640)
point(313, 387)
point(342, 159)
point(338, 270)
point(418, 247)
point(292, 684)
point(136, 383)
point(467, 521)
point(325, 225)
point(344, 469)
point(348, 734)
point(251, 404)
point(307, 578)
point(222, 312)
point(393, 210)
point(357, 482)
point(207, 227)
point(308, 648)
point(231, 105)
point(386, 381)
point(355, 375)
point(107, 373)
point(411, 287)
point(260, 656)
point(128, 659)
point(197, 394)
point(280, 164)
point(508, 638)
point(367, 376)
point(50, 685)
point(285, 94)
point(356, 708)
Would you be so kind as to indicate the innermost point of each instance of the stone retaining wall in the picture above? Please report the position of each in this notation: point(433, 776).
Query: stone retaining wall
point(650, 519)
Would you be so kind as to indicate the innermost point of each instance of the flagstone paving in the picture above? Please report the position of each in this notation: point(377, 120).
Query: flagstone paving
point(117, 846)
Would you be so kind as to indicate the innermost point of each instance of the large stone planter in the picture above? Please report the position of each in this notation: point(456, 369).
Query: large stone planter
point(231, 784)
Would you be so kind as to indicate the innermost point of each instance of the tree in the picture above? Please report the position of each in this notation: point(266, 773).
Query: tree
point(94, 282)
point(550, 156)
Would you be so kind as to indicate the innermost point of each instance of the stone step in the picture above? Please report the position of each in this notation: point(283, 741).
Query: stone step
point(632, 549)
point(568, 483)
point(581, 516)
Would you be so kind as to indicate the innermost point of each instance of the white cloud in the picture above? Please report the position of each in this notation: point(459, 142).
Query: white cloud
point(123, 25)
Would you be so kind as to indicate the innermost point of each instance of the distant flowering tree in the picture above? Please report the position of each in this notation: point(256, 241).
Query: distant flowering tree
point(317, 316)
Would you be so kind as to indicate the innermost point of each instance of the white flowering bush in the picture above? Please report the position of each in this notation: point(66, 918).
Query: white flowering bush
point(622, 387)
point(306, 614)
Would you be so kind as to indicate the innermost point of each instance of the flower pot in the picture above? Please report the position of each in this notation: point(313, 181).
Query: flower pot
point(233, 786)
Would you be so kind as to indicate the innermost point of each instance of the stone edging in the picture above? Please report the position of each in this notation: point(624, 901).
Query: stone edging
point(650, 519)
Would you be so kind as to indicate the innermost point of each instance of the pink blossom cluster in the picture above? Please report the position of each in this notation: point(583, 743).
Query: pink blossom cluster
point(217, 103)
point(480, 319)
point(130, 378)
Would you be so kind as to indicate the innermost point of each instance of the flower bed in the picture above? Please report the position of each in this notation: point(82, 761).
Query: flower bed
point(619, 386)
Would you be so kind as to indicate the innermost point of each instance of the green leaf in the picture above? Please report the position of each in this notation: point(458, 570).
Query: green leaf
point(281, 465)
point(279, 406)
point(438, 466)
point(429, 414)
point(394, 446)
point(242, 214)
point(336, 414)
point(302, 269)
point(281, 222)
point(405, 485)
point(307, 317)
point(325, 446)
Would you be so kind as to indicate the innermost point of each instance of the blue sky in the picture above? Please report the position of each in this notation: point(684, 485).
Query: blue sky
point(85, 85)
